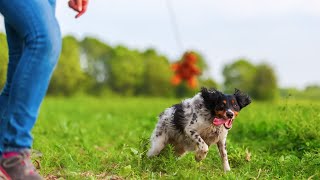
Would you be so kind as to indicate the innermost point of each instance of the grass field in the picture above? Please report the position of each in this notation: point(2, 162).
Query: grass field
point(102, 138)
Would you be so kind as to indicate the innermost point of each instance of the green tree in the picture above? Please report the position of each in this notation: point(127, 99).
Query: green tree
point(125, 70)
point(157, 74)
point(240, 75)
point(68, 77)
point(3, 59)
point(95, 56)
point(265, 83)
point(312, 92)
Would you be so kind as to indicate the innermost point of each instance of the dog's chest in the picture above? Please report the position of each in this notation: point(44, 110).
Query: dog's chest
point(212, 134)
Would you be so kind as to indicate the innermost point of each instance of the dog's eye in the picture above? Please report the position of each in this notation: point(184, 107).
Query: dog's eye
point(235, 105)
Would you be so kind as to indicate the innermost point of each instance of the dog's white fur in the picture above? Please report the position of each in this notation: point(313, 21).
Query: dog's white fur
point(198, 133)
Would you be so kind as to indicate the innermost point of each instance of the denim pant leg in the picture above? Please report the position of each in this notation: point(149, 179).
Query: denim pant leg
point(15, 46)
point(35, 24)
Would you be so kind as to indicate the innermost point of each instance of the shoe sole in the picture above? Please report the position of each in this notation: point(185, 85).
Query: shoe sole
point(3, 175)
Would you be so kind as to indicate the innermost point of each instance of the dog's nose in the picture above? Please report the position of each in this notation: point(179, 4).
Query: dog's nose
point(229, 114)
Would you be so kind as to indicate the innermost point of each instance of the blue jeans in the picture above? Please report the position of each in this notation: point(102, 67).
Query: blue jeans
point(34, 44)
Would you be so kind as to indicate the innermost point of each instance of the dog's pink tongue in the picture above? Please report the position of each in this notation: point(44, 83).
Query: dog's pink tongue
point(228, 124)
point(218, 121)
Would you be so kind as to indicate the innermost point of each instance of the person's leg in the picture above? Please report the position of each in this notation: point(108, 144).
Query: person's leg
point(15, 46)
point(35, 23)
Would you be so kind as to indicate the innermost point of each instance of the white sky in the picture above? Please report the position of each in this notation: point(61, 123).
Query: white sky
point(285, 34)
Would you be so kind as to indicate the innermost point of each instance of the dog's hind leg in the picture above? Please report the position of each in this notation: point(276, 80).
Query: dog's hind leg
point(158, 142)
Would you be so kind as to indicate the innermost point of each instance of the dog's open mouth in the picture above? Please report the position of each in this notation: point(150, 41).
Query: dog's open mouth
point(226, 122)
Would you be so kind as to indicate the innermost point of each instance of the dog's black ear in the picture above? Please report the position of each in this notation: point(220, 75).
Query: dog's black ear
point(242, 98)
point(210, 97)
point(205, 93)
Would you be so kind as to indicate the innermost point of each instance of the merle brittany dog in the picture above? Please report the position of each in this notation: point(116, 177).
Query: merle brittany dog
point(198, 122)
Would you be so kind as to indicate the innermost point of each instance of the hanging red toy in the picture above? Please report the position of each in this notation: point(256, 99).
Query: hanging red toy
point(187, 70)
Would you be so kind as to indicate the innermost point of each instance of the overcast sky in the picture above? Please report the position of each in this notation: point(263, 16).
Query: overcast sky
point(283, 33)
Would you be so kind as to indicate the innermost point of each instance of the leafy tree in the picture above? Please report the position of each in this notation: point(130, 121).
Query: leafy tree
point(312, 92)
point(259, 81)
point(68, 77)
point(288, 92)
point(157, 74)
point(94, 57)
point(3, 59)
point(313, 87)
point(239, 74)
point(126, 70)
point(265, 83)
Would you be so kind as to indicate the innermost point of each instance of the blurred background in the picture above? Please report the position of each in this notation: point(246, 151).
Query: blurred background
point(267, 48)
point(116, 72)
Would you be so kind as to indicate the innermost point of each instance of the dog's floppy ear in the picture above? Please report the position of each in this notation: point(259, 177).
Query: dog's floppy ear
point(205, 93)
point(209, 94)
point(242, 98)
point(210, 97)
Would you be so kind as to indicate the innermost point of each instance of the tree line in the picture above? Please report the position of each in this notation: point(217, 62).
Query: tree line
point(93, 67)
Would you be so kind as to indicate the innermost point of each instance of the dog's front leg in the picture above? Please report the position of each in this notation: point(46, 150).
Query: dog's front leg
point(202, 147)
point(222, 146)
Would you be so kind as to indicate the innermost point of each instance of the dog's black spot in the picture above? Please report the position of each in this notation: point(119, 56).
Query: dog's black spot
point(196, 136)
point(194, 116)
point(158, 134)
point(188, 105)
point(192, 133)
point(198, 143)
point(191, 122)
point(199, 140)
point(179, 122)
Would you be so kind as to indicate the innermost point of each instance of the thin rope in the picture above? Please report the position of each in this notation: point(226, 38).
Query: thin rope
point(174, 25)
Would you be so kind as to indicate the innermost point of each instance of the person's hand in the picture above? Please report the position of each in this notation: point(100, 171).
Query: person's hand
point(79, 5)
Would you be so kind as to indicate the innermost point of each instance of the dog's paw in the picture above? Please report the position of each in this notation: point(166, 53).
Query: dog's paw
point(149, 154)
point(201, 153)
point(152, 153)
point(226, 168)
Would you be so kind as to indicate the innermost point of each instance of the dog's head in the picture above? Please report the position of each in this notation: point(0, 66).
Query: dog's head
point(224, 107)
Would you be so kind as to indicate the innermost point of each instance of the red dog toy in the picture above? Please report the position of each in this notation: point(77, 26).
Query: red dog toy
point(186, 69)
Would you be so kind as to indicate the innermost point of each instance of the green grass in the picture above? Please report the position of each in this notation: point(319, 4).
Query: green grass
point(103, 138)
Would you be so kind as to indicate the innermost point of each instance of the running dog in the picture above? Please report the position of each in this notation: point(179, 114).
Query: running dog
point(198, 122)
